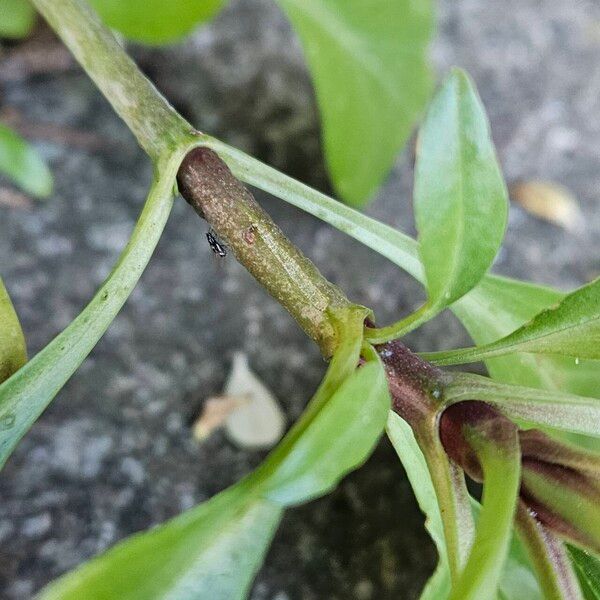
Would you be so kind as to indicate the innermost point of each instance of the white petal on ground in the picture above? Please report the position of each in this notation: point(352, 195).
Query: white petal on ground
point(259, 422)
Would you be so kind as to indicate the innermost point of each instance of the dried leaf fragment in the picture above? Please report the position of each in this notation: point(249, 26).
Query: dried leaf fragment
point(550, 202)
point(214, 413)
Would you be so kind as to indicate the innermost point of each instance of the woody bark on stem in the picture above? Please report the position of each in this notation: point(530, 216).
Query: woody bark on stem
point(208, 185)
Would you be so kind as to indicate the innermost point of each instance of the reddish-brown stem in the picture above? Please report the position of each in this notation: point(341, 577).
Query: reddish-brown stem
point(417, 390)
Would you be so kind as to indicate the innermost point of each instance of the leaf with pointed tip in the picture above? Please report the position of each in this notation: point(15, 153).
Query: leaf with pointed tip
point(155, 21)
point(571, 328)
point(13, 352)
point(368, 62)
point(498, 306)
point(461, 202)
point(20, 162)
point(332, 438)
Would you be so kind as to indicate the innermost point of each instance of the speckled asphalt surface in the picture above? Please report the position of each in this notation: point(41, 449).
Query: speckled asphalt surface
point(114, 453)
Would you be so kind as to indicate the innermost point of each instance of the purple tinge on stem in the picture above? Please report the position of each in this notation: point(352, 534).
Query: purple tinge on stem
point(561, 486)
point(560, 483)
point(416, 386)
point(459, 425)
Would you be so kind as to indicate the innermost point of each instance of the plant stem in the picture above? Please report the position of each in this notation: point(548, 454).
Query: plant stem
point(549, 558)
point(391, 243)
point(157, 126)
point(216, 195)
point(417, 388)
point(380, 335)
point(25, 395)
point(486, 445)
point(452, 496)
point(458, 356)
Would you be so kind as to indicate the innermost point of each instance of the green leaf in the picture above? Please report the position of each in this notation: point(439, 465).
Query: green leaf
point(461, 202)
point(215, 549)
point(16, 18)
point(368, 62)
point(156, 21)
point(571, 328)
point(559, 410)
point(13, 351)
point(21, 163)
point(587, 568)
point(25, 395)
point(334, 436)
point(413, 461)
point(517, 580)
point(498, 306)
point(211, 551)
point(494, 308)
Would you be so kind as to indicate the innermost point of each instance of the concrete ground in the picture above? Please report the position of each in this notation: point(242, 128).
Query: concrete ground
point(114, 452)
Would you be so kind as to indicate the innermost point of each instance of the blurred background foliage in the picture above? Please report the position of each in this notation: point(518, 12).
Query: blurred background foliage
point(368, 62)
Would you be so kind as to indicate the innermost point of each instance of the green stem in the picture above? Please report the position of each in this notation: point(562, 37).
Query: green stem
point(549, 558)
point(157, 126)
point(25, 395)
point(452, 496)
point(416, 388)
point(497, 450)
point(380, 335)
point(459, 356)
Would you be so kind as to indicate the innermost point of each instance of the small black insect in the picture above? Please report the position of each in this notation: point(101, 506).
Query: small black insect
point(218, 247)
